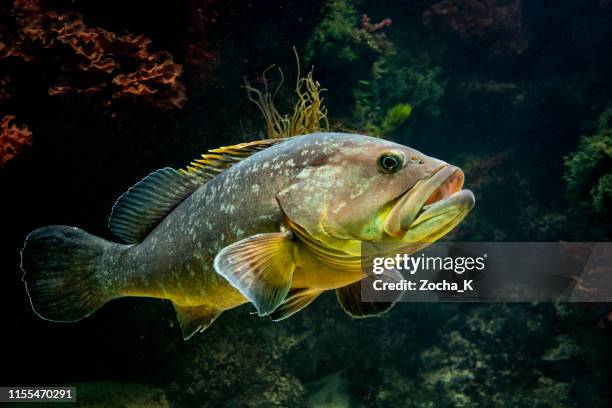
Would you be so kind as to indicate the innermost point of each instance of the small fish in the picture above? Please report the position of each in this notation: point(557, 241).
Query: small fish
point(273, 222)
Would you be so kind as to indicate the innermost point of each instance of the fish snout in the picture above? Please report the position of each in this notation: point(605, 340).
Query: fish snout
point(439, 193)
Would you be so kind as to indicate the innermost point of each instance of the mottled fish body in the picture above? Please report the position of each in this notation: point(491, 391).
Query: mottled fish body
point(274, 223)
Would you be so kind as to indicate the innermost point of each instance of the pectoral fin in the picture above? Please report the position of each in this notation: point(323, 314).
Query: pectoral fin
point(193, 319)
point(260, 267)
point(349, 296)
point(295, 301)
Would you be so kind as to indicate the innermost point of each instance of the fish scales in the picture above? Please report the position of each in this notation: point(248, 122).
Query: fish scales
point(279, 223)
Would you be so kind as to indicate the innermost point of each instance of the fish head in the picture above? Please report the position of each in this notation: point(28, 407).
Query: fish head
point(370, 189)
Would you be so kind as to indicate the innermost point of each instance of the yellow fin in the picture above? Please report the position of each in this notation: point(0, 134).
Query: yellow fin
point(146, 203)
point(217, 160)
point(260, 267)
point(297, 300)
point(193, 319)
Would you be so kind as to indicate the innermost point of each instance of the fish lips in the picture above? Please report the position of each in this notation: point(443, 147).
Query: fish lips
point(431, 197)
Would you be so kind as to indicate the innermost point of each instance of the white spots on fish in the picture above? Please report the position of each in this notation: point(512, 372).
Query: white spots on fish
point(227, 208)
point(339, 207)
point(359, 192)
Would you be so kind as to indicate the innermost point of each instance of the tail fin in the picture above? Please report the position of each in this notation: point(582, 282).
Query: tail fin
point(60, 266)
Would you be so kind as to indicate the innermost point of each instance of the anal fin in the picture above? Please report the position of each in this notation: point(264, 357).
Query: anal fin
point(295, 301)
point(193, 319)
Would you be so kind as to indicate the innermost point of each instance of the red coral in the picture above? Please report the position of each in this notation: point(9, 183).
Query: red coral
point(372, 27)
point(498, 22)
point(94, 59)
point(12, 139)
point(5, 92)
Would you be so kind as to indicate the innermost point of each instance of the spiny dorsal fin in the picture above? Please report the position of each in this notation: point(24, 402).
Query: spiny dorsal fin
point(217, 160)
point(148, 202)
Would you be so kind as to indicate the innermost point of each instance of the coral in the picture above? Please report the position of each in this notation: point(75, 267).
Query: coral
point(339, 36)
point(309, 114)
point(93, 60)
point(12, 139)
point(370, 27)
point(498, 23)
point(588, 170)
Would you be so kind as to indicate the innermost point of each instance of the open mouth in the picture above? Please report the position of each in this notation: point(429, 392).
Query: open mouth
point(431, 197)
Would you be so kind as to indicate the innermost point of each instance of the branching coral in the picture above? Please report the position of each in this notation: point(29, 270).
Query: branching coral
point(12, 139)
point(94, 60)
point(498, 22)
point(309, 114)
point(370, 27)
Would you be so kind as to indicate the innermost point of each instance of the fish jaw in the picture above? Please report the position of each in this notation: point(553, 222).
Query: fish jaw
point(431, 208)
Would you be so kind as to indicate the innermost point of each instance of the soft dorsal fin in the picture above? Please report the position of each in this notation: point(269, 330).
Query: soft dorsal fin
point(148, 202)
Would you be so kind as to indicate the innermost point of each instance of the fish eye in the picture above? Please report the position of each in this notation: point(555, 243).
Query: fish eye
point(390, 162)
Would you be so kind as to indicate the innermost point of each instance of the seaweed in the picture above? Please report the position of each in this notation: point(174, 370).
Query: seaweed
point(309, 114)
point(588, 170)
point(339, 35)
point(397, 79)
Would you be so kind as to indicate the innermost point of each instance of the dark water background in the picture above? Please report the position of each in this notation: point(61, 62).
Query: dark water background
point(505, 100)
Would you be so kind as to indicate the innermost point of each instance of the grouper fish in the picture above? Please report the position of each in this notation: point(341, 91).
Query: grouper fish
point(271, 222)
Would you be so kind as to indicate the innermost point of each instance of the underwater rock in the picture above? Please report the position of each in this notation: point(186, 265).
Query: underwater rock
point(106, 394)
point(330, 391)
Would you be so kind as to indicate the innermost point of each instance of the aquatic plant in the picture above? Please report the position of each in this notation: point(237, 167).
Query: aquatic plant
point(94, 61)
point(394, 118)
point(397, 79)
point(496, 23)
point(396, 115)
point(339, 34)
point(588, 170)
point(309, 113)
point(12, 139)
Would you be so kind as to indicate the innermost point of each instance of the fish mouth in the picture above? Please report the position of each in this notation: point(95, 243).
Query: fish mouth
point(431, 206)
